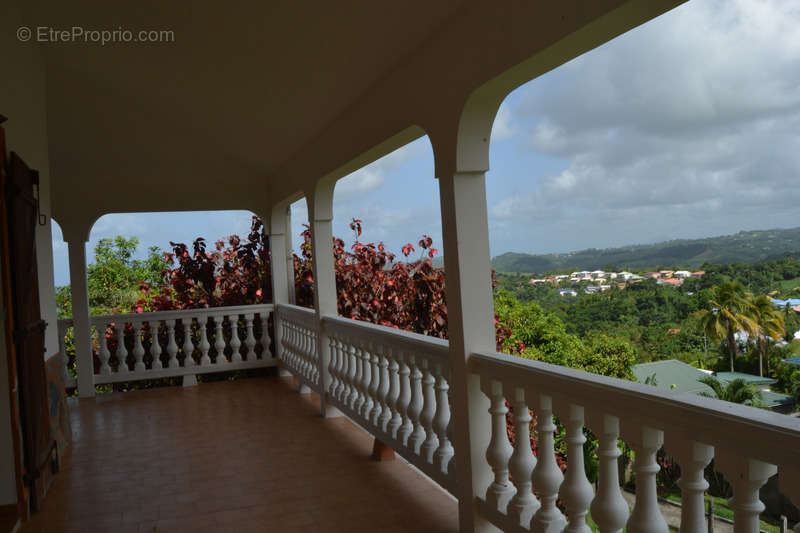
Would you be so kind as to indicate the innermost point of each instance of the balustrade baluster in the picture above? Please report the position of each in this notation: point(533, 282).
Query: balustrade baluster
point(431, 441)
point(361, 371)
point(333, 370)
point(746, 476)
point(609, 509)
point(122, 351)
point(417, 436)
point(547, 476)
point(138, 349)
point(374, 411)
point(202, 325)
point(301, 351)
point(288, 345)
point(188, 346)
point(693, 458)
point(219, 341)
point(236, 342)
point(172, 346)
point(265, 338)
point(646, 516)
point(385, 414)
point(396, 420)
point(308, 351)
point(352, 391)
point(366, 364)
point(523, 504)
point(405, 398)
point(155, 345)
point(341, 369)
point(441, 421)
point(250, 340)
point(315, 352)
point(105, 355)
point(499, 450)
point(576, 492)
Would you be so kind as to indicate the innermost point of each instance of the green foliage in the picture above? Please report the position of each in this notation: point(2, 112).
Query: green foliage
point(736, 391)
point(729, 309)
point(545, 338)
point(114, 277)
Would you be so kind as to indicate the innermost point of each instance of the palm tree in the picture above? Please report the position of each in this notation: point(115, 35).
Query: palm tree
point(769, 323)
point(729, 311)
point(736, 391)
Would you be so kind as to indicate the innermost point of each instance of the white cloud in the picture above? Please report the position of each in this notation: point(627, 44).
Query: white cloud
point(689, 125)
point(503, 128)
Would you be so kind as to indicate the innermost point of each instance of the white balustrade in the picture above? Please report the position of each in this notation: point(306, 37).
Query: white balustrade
point(396, 384)
point(393, 383)
point(140, 331)
point(749, 443)
point(298, 344)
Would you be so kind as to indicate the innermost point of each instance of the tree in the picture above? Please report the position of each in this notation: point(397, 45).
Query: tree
point(769, 324)
point(114, 276)
point(729, 310)
point(736, 391)
point(236, 272)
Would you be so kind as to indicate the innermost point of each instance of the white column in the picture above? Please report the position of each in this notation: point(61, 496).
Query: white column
point(320, 216)
point(289, 258)
point(470, 323)
point(79, 288)
point(279, 240)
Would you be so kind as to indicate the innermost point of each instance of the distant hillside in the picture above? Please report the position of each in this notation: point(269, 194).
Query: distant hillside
point(743, 247)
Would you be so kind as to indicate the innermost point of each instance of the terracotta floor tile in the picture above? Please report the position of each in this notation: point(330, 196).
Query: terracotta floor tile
point(240, 456)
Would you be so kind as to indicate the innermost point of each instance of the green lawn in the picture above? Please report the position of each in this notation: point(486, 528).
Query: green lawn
point(723, 510)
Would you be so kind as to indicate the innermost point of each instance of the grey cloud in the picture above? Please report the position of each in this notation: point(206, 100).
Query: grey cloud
point(687, 126)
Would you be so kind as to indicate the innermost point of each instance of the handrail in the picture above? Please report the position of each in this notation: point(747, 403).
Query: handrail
point(173, 345)
point(749, 431)
point(178, 313)
point(394, 336)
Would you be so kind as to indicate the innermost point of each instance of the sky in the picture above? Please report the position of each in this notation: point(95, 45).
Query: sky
point(686, 127)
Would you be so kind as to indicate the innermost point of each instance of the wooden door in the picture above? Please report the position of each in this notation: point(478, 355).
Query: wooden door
point(20, 210)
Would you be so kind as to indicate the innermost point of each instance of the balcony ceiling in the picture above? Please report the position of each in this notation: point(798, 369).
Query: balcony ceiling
point(252, 102)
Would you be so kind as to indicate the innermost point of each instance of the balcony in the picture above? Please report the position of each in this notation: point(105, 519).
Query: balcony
point(182, 471)
point(246, 455)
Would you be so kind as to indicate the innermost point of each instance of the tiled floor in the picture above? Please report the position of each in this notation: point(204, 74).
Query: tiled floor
point(240, 456)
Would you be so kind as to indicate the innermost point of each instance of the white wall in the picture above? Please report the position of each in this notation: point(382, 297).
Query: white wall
point(22, 101)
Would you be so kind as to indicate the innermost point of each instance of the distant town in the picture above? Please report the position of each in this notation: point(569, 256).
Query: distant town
point(599, 280)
